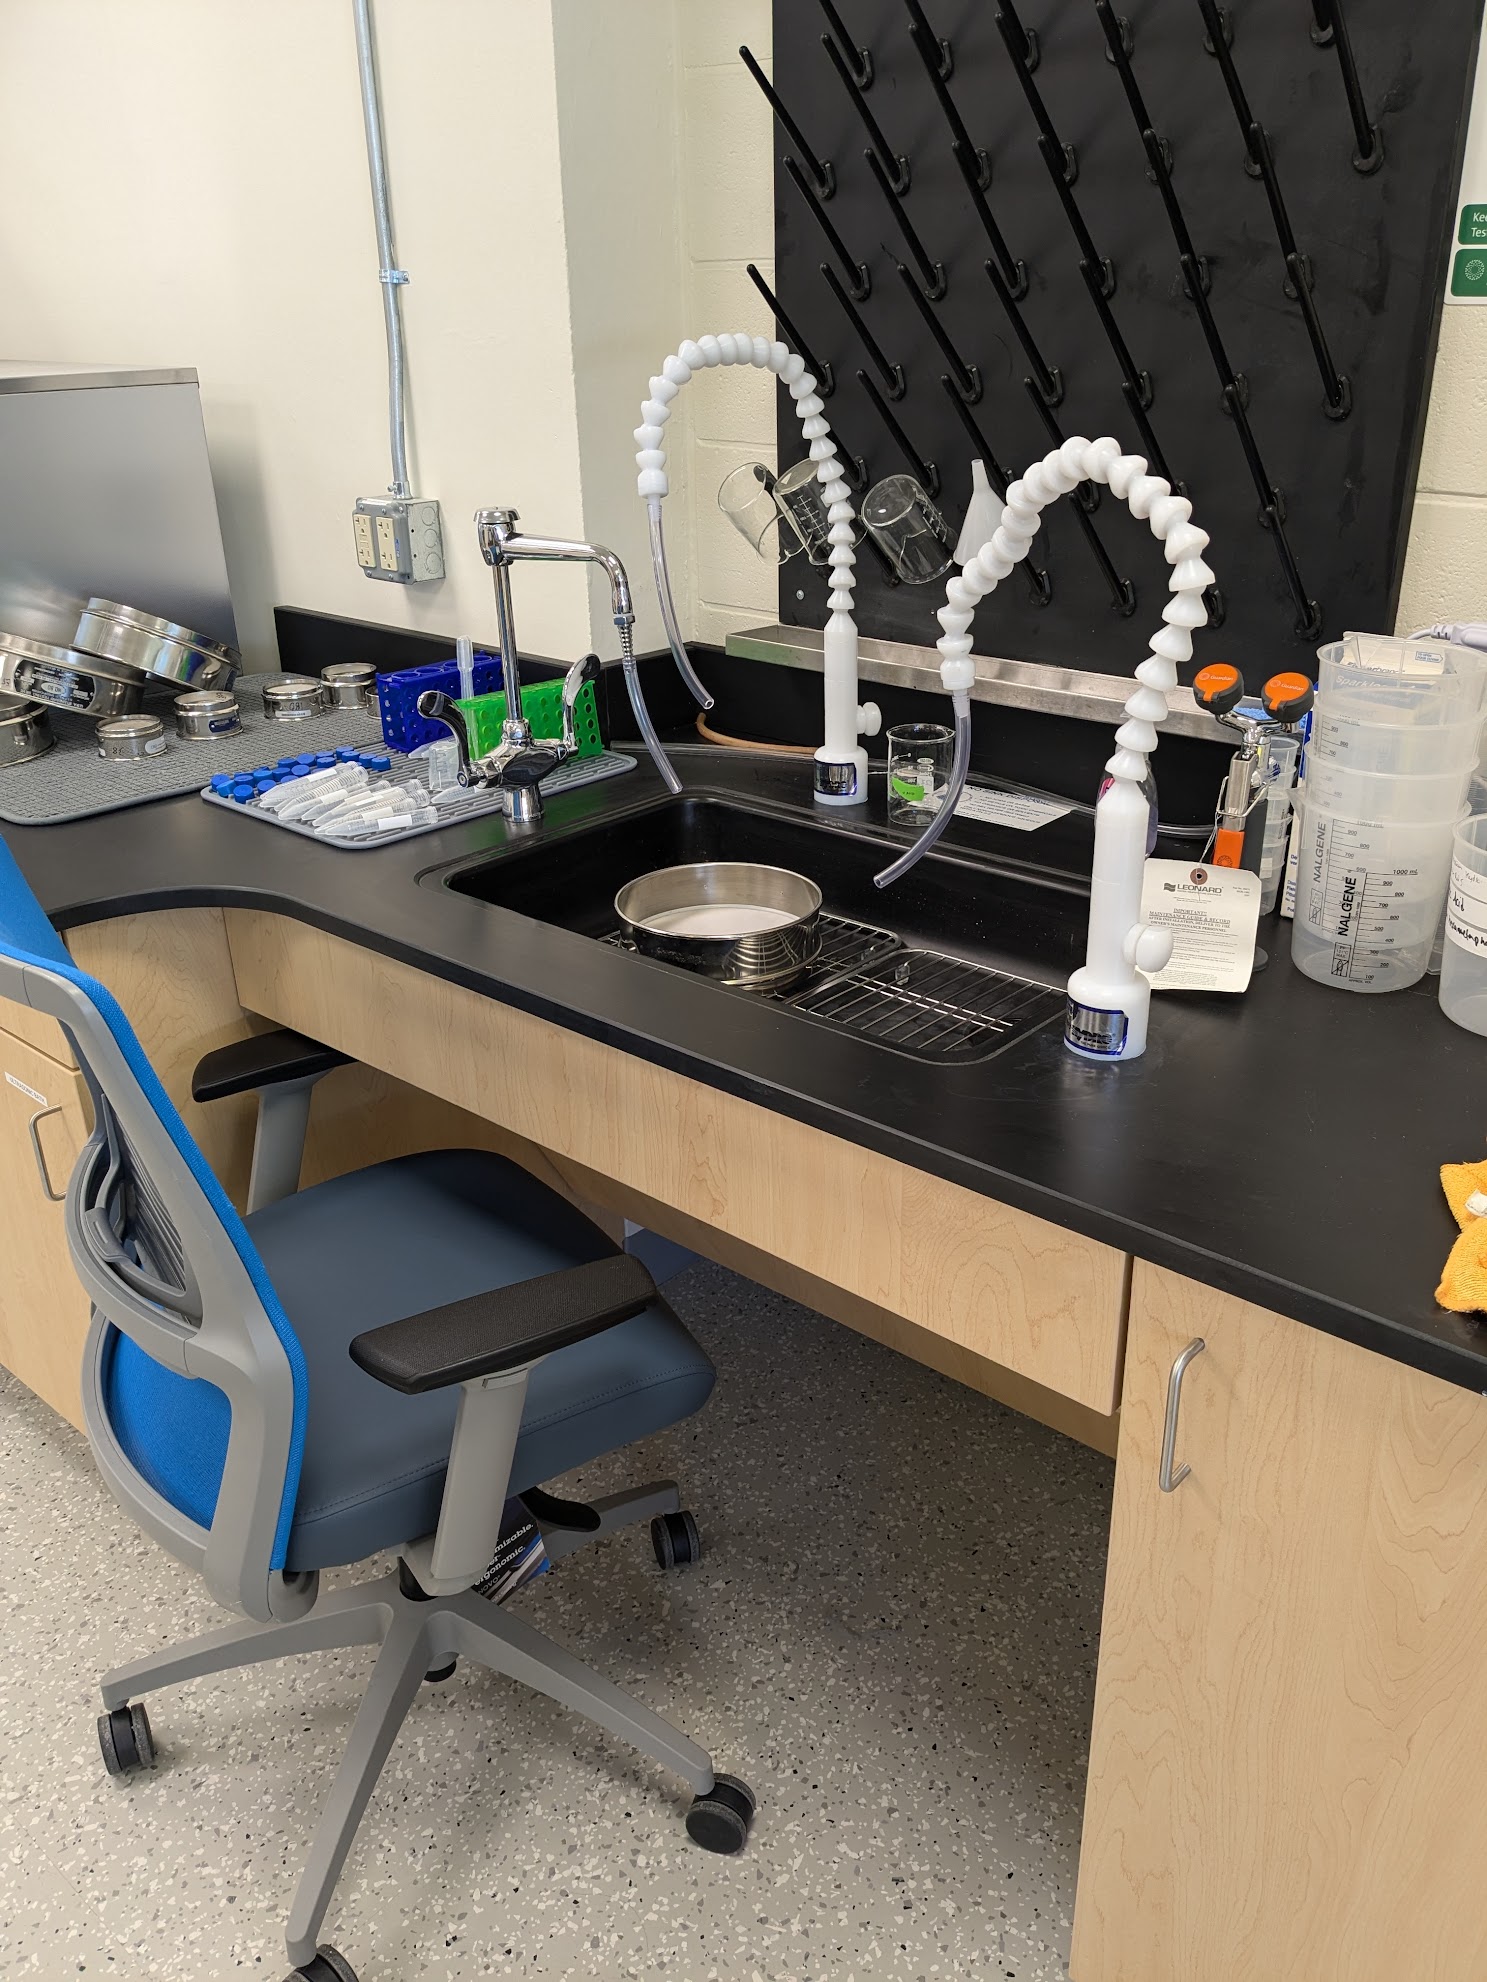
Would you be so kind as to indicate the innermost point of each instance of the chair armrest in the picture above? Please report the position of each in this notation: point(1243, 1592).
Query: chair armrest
point(505, 1328)
point(264, 1059)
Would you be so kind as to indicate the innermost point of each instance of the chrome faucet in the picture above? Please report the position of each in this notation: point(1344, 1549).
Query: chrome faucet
point(519, 762)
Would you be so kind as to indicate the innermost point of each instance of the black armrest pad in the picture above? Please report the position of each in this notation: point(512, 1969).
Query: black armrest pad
point(262, 1060)
point(505, 1328)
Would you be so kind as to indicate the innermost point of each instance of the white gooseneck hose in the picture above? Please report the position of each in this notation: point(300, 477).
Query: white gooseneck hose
point(1109, 999)
point(841, 763)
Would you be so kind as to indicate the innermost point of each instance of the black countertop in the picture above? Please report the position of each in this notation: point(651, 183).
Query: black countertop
point(1283, 1146)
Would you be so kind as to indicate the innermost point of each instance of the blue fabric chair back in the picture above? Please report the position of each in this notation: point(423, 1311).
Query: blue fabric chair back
point(169, 1384)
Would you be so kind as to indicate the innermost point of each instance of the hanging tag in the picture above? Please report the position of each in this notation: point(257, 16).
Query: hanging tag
point(1213, 913)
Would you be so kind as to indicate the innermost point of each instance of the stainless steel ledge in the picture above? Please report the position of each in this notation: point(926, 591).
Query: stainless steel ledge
point(1088, 698)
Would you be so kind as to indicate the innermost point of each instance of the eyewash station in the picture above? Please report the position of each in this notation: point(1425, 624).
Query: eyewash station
point(924, 856)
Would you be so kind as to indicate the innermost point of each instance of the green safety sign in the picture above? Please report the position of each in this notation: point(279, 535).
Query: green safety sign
point(1469, 272)
point(1472, 233)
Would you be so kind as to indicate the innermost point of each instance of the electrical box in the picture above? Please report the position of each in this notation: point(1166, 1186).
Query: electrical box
point(398, 538)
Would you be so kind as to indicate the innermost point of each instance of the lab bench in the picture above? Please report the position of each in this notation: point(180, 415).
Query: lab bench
point(1290, 1690)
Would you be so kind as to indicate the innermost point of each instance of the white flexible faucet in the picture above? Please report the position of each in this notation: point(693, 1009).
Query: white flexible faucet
point(1109, 998)
point(841, 762)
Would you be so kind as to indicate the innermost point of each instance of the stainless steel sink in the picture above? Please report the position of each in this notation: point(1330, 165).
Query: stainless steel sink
point(952, 964)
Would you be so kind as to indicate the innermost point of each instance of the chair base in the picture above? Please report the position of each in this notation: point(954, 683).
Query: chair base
point(418, 1635)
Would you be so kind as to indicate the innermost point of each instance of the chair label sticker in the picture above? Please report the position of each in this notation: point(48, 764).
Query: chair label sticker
point(16, 1081)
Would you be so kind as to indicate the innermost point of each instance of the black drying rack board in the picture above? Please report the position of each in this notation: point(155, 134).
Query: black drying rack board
point(1374, 245)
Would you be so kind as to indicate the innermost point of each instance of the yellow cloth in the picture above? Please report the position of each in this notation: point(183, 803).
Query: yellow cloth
point(1463, 1286)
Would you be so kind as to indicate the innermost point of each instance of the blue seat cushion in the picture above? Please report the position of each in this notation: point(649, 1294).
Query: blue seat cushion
point(390, 1241)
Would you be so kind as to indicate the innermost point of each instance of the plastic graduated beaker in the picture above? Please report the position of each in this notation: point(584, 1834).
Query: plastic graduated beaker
point(1375, 795)
point(1410, 684)
point(1368, 897)
point(1391, 749)
point(1463, 990)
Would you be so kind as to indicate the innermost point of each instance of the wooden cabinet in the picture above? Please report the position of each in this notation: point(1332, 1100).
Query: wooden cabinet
point(1286, 1779)
point(43, 1309)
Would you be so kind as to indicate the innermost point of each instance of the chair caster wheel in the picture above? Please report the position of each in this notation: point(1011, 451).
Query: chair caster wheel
point(720, 1820)
point(125, 1738)
point(325, 1965)
point(677, 1539)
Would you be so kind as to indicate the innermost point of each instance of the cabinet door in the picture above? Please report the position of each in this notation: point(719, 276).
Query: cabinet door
point(43, 1309)
point(1287, 1778)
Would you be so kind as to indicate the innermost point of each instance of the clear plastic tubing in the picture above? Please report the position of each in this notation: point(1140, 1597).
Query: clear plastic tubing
point(642, 714)
point(960, 765)
point(668, 609)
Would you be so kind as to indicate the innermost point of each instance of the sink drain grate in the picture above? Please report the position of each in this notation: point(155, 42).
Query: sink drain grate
point(919, 1002)
point(933, 1006)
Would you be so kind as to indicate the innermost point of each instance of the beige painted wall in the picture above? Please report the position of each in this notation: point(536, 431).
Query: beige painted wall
point(188, 185)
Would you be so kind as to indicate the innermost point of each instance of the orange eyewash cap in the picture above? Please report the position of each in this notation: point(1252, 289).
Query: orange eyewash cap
point(1218, 687)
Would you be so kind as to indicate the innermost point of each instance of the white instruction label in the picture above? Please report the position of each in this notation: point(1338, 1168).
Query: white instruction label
point(1466, 909)
point(1213, 913)
point(25, 1088)
point(1009, 808)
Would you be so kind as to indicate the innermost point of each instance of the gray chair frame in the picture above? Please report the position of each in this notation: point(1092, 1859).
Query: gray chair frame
point(215, 1327)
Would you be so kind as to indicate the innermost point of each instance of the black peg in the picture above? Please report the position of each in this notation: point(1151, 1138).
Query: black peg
point(1155, 459)
point(859, 59)
point(933, 272)
point(859, 278)
point(1215, 21)
point(894, 164)
point(1015, 35)
point(1014, 273)
point(1127, 37)
point(1053, 159)
point(1230, 381)
point(825, 381)
point(1138, 381)
point(821, 170)
point(891, 374)
point(928, 473)
point(1335, 384)
point(1118, 48)
point(1368, 142)
point(1086, 494)
point(966, 377)
point(1225, 33)
point(1022, 42)
point(943, 53)
point(960, 135)
point(1122, 591)
point(1036, 579)
point(1321, 23)
point(1272, 503)
point(1050, 384)
point(1308, 612)
point(1161, 172)
point(1259, 144)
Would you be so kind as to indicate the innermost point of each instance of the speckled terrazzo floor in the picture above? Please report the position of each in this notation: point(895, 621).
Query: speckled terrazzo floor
point(892, 1637)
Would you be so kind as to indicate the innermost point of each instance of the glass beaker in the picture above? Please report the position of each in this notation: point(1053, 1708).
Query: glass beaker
point(906, 526)
point(746, 497)
point(798, 492)
point(919, 758)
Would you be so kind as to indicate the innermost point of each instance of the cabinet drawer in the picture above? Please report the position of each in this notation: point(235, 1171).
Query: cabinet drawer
point(44, 1312)
point(36, 1029)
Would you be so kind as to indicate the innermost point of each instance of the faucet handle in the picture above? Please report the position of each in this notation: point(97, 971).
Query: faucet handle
point(437, 707)
point(575, 681)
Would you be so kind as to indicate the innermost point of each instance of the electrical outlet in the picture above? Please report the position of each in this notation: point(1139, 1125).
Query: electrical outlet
point(399, 538)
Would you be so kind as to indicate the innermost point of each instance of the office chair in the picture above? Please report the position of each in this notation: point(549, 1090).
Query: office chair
point(374, 1364)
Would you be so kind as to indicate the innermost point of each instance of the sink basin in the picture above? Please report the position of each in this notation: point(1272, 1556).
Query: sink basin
point(902, 980)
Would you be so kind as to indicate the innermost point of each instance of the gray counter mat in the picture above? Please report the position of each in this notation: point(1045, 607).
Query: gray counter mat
point(472, 805)
point(73, 782)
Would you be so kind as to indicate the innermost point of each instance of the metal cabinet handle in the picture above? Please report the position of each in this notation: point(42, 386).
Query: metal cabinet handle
point(33, 1130)
point(1167, 1479)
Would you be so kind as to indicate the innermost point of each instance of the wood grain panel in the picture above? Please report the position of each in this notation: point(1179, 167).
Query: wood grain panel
point(38, 1030)
point(1286, 1779)
point(1010, 1288)
point(43, 1309)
